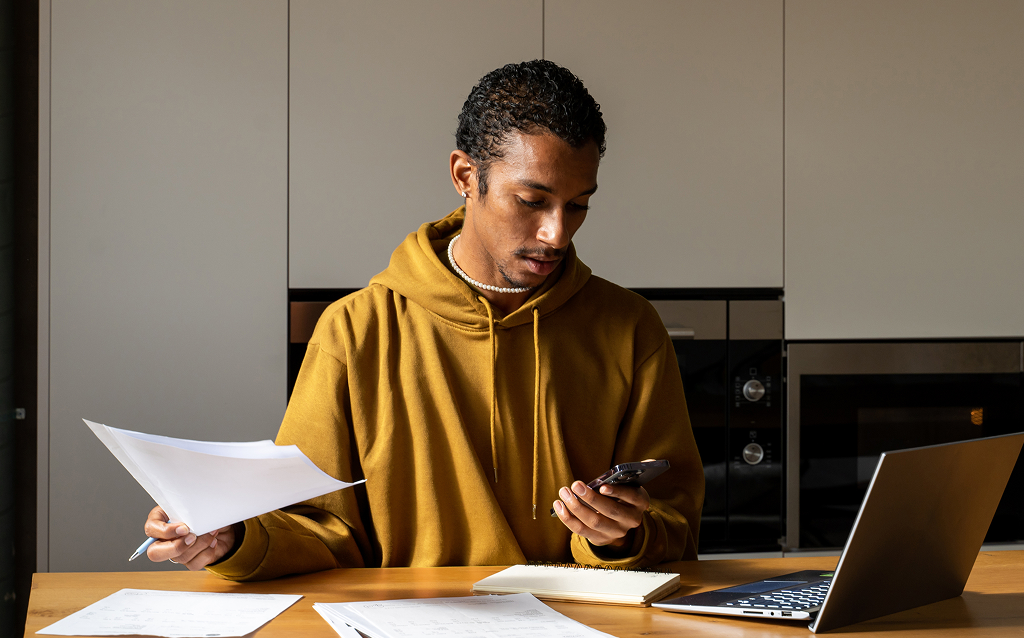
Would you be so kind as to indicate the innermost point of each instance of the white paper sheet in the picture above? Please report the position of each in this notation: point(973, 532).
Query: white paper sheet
point(508, 616)
point(343, 630)
point(174, 614)
point(249, 478)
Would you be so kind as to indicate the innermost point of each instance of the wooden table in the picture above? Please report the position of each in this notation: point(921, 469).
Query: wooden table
point(992, 605)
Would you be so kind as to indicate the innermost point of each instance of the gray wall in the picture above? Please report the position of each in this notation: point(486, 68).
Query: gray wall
point(690, 189)
point(167, 247)
point(904, 165)
point(375, 93)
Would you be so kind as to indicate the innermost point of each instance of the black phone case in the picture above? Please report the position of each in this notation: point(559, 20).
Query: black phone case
point(631, 474)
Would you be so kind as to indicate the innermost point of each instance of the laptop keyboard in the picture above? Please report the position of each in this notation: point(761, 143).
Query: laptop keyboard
point(792, 598)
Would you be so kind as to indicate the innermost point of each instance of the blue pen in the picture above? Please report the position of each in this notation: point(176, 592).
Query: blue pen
point(142, 548)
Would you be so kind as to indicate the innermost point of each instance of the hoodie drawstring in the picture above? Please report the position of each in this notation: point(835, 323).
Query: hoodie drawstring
point(536, 403)
point(536, 397)
point(494, 363)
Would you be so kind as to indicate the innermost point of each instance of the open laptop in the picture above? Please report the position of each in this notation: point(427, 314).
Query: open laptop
point(914, 542)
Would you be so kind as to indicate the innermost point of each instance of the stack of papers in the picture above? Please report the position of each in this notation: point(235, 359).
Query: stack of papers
point(580, 584)
point(466, 616)
point(174, 614)
point(251, 478)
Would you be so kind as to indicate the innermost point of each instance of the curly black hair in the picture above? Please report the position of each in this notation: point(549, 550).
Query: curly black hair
point(529, 97)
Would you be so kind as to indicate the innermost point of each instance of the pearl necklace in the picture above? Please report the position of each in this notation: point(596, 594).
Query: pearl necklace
point(474, 282)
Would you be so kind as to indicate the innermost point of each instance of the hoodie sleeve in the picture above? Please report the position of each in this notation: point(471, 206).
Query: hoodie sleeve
point(656, 425)
point(324, 532)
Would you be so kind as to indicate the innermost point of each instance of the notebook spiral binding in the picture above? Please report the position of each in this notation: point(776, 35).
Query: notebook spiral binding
point(609, 568)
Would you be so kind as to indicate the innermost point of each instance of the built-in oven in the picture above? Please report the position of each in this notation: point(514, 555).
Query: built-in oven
point(849, 402)
point(730, 357)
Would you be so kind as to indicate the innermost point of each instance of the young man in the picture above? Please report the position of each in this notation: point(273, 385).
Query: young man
point(480, 374)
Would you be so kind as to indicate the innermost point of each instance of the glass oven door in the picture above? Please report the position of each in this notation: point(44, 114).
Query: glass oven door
point(698, 329)
point(850, 402)
point(730, 358)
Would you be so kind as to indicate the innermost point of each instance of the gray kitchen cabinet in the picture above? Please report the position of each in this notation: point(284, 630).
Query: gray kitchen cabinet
point(690, 190)
point(904, 169)
point(163, 224)
point(375, 93)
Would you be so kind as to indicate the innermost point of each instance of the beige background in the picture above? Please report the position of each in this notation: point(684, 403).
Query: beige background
point(167, 261)
point(904, 169)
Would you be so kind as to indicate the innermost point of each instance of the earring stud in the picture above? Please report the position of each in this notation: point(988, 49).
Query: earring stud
point(463, 194)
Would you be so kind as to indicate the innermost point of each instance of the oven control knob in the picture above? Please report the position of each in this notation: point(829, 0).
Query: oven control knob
point(753, 454)
point(753, 390)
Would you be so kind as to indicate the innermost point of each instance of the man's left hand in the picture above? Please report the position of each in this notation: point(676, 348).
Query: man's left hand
point(618, 510)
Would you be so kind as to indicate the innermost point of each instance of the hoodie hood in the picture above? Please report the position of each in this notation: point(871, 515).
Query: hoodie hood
point(416, 272)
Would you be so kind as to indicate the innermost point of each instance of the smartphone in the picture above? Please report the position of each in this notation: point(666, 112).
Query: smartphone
point(628, 474)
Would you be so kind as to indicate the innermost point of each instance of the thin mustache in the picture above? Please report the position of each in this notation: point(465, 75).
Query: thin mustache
point(540, 253)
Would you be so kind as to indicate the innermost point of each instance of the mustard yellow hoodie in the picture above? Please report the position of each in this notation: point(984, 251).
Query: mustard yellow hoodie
point(465, 424)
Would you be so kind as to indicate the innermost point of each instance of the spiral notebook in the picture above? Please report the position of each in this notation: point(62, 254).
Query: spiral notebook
point(578, 584)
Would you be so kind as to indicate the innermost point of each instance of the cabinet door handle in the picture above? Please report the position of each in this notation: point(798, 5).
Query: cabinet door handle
point(682, 333)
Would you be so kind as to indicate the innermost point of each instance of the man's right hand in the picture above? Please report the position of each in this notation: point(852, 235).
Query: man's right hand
point(176, 543)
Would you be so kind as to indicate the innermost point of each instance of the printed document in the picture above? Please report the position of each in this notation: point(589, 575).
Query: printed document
point(251, 478)
point(508, 616)
point(174, 614)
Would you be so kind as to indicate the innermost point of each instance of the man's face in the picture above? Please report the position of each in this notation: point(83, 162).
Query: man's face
point(537, 198)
